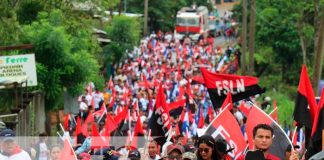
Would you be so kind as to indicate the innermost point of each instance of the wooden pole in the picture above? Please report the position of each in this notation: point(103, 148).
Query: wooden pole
point(18, 47)
point(251, 37)
point(243, 35)
point(323, 140)
point(318, 55)
point(145, 17)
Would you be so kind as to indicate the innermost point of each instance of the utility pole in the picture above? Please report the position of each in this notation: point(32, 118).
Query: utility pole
point(243, 35)
point(319, 54)
point(251, 37)
point(145, 17)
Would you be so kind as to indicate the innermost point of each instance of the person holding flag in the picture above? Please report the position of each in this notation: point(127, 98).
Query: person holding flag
point(86, 145)
point(262, 137)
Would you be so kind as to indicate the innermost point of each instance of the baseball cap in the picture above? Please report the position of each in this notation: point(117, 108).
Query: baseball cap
point(134, 155)
point(85, 156)
point(189, 155)
point(174, 147)
point(7, 134)
point(107, 154)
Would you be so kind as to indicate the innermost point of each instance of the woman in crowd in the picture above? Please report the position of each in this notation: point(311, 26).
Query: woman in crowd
point(55, 152)
point(207, 148)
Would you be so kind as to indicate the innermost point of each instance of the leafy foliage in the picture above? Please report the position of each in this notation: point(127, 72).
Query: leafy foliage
point(63, 61)
point(28, 11)
point(278, 57)
point(124, 33)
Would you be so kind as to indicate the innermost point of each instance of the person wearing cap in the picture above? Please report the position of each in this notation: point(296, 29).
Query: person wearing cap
point(174, 151)
point(84, 156)
point(222, 149)
point(106, 154)
point(134, 155)
point(207, 149)
point(10, 150)
point(189, 156)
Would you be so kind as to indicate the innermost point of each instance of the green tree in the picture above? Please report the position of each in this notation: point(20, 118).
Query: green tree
point(61, 62)
point(124, 33)
point(28, 11)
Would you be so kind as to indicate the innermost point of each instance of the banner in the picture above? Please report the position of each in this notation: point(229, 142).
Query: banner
point(219, 85)
point(18, 67)
point(226, 127)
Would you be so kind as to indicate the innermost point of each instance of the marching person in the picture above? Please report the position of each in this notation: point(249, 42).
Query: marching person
point(10, 150)
point(262, 137)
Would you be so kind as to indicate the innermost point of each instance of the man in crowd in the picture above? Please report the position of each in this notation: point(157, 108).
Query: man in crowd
point(174, 151)
point(153, 151)
point(262, 137)
point(10, 150)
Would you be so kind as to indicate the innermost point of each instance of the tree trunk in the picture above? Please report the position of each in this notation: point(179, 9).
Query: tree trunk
point(316, 24)
point(244, 27)
point(120, 7)
point(145, 17)
point(318, 54)
point(302, 39)
point(251, 37)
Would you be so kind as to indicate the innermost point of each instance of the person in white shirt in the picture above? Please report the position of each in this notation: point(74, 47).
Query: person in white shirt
point(97, 96)
point(42, 152)
point(83, 108)
point(238, 115)
point(10, 150)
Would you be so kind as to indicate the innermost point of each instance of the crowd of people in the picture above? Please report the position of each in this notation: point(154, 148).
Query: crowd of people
point(133, 85)
point(203, 148)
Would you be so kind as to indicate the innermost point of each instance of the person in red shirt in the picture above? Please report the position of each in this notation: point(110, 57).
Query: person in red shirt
point(262, 137)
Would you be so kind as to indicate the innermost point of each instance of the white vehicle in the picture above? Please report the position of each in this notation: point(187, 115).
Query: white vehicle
point(193, 22)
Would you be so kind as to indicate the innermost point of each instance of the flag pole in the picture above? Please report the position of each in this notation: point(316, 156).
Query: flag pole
point(292, 139)
point(273, 111)
point(323, 140)
point(73, 119)
point(71, 147)
point(59, 135)
point(211, 123)
point(147, 141)
point(101, 116)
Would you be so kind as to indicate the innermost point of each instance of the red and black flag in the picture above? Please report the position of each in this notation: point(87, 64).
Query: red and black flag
point(241, 87)
point(225, 126)
point(318, 126)
point(280, 140)
point(305, 108)
point(159, 123)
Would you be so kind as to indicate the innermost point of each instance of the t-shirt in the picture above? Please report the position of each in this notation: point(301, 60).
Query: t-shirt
point(18, 156)
point(83, 106)
point(97, 98)
point(238, 115)
point(269, 157)
point(43, 152)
